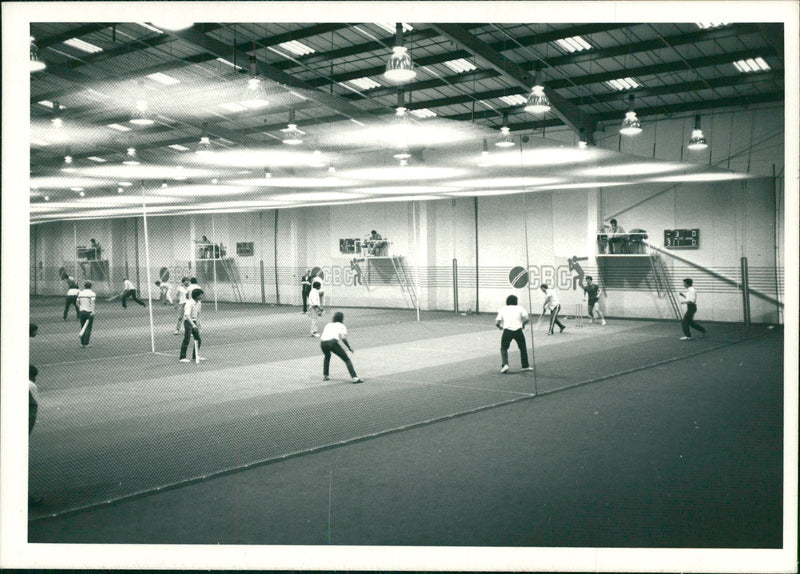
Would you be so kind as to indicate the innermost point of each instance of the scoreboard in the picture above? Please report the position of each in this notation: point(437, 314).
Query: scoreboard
point(682, 238)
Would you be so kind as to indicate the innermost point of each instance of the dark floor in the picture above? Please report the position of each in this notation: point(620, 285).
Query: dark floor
point(684, 451)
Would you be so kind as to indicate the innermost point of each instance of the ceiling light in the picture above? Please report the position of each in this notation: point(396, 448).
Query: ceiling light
point(752, 65)
point(96, 159)
point(317, 160)
point(125, 184)
point(228, 63)
point(402, 153)
point(630, 125)
point(47, 198)
point(67, 166)
point(297, 48)
point(485, 160)
point(573, 44)
point(707, 25)
point(36, 65)
point(460, 65)
point(697, 141)
point(147, 26)
point(164, 184)
point(399, 67)
point(119, 190)
point(47, 104)
point(178, 147)
point(400, 128)
point(131, 158)
point(424, 113)
point(215, 181)
point(254, 91)
point(391, 27)
point(83, 46)
point(76, 188)
point(233, 107)
point(622, 84)
point(538, 102)
point(365, 83)
point(172, 24)
point(292, 135)
point(163, 79)
point(514, 99)
point(267, 173)
point(505, 131)
point(140, 115)
point(204, 147)
point(119, 127)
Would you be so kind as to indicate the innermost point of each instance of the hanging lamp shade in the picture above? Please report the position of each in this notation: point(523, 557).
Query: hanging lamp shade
point(402, 153)
point(485, 159)
point(630, 125)
point(68, 166)
point(698, 140)
point(253, 96)
point(131, 158)
point(538, 102)
point(399, 67)
point(141, 116)
point(36, 64)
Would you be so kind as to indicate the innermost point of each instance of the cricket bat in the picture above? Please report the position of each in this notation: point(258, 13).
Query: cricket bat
point(196, 352)
point(83, 329)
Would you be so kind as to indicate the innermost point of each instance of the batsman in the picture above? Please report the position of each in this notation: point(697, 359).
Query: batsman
point(86, 298)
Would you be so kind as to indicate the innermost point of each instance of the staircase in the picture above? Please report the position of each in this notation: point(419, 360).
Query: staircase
point(233, 276)
point(404, 279)
point(664, 283)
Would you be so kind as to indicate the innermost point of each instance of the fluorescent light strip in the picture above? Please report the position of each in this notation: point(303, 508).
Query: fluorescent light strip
point(424, 113)
point(752, 65)
point(574, 44)
point(297, 48)
point(47, 104)
point(83, 46)
point(392, 27)
point(149, 27)
point(231, 64)
point(515, 100)
point(622, 84)
point(96, 159)
point(119, 127)
point(365, 83)
point(178, 147)
point(707, 25)
point(163, 79)
point(460, 65)
point(233, 107)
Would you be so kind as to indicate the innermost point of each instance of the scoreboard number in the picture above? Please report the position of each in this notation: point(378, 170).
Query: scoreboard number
point(682, 238)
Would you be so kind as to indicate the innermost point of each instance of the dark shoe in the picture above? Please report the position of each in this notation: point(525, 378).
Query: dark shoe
point(562, 329)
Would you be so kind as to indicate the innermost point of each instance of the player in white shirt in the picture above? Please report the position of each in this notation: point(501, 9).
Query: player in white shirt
point(689, 298)
point(511, 319)
point(180, 301)
point(191, 325)
point(129, 292)
point(314, 308)
point(72, 299)
point(86, 299)
point(334, 335)
point(551, 303)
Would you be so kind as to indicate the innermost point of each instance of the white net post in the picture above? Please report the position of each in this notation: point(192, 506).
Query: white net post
point(147, 271)
point(214, 251)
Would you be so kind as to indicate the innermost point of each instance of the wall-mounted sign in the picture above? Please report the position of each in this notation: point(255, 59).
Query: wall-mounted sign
point(244, 249)
point(682, 238)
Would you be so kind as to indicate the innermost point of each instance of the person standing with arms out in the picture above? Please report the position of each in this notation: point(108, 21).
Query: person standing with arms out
point(592, 292)
point(305, 284)
point(129, 292)
point(314, 308)
point(72, 299)
point(86, 304)
point(512, 319)
point(551, 303)
point(689, 298)
point(180, 301)
point(334, 335)
point(191, 326)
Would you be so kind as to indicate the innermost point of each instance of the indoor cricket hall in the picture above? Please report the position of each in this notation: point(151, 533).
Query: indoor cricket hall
point(392, 184)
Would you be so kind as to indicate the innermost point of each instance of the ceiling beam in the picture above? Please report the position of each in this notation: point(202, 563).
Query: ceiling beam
point(195, 36)
point(565, 110)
